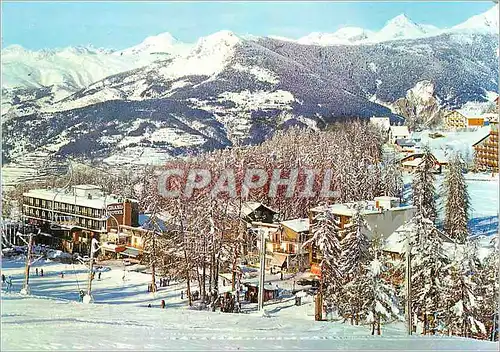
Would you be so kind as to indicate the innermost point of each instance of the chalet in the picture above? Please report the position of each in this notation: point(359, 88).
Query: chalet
point(383, 215)
point(405, 146)
point(255, 211)
point(486, 149)
point(129, 241)
point(414, 160)
point(286, 244)
point(398, 132)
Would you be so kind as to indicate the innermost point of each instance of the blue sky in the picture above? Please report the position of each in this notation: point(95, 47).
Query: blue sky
point(118, 25)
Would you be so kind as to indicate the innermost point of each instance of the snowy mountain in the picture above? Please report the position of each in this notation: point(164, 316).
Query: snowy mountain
point(487, 21)
point(344, 36)
point(163, 43)
point(227, 89)
point(401, 27)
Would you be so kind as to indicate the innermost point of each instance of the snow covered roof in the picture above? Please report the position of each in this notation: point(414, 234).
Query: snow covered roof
point(442, 156)
point(249, 207)
point(413, 163)
point(87, 187)
point(402, 142)
point(349, 209)
point(297, 225)
point(396, 241)
point(64, 196)
point(400, 131)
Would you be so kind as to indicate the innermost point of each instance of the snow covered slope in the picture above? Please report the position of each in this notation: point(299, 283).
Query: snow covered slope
point(53, 319)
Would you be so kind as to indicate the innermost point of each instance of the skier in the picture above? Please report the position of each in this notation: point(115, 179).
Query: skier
point(62, 275)
point(281, 275)
point(3, 279)
point(81, 294)
point(9, 283)
point(41, 272)
point(36, 271)
point(182, 294)
point(162, 303)
point(149, 305)
point(99, 276)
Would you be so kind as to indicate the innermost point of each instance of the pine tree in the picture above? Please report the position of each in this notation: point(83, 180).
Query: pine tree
point(423, 187)
point(429, 270)
point(392, 180)
point(488, 290)
point(355, 244)
point(325, 238)
point(355, 255)
point(462, 295)
point(380, 297)
point(457, 201)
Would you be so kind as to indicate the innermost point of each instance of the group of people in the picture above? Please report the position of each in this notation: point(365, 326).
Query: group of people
point(7, 281)
point(37, 272)
point(164, 282)
point(227, 303)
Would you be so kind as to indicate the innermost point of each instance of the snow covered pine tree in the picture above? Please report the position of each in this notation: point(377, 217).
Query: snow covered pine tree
point(457, 204)
point(325, 238)
point(380, 302)
point(355, 255)
point(423, 187)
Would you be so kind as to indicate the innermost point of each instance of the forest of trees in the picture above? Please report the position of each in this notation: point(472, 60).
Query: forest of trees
point(453, 292)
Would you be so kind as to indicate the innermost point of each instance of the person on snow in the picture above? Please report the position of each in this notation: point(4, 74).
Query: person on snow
point(9, 283)
point(162, 305)
point(182, 294)
point(149, 305)
point(62, 275)
point(81, 294)
point(99, 276)
point(3, 278)
point(41, 272)
point(36, 271)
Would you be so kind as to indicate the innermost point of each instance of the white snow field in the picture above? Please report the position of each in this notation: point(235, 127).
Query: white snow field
point(51, 318)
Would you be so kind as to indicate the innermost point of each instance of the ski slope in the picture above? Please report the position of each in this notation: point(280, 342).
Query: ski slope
point(52, 319)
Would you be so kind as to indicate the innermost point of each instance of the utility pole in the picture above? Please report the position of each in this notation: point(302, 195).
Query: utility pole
point(153, 274)
point(409, 311)
point(26, 290)
point(262, 269)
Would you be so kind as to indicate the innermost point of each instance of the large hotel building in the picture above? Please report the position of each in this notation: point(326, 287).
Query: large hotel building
point(78, 214)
